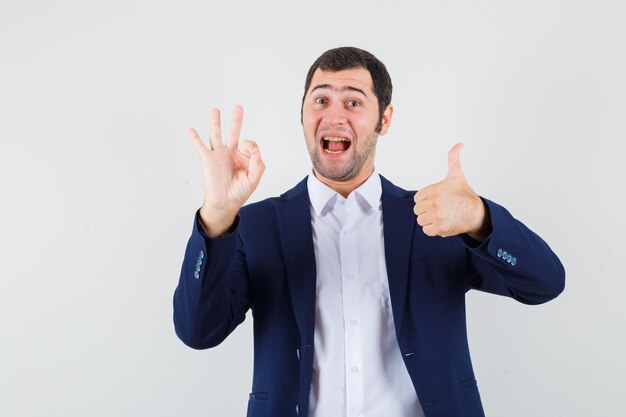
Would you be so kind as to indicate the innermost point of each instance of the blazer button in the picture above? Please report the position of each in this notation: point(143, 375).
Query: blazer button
point(513, 261)
point(201, 254)
point(297, 409)
point(196, 274)
point(499, 253)
point(509, 258)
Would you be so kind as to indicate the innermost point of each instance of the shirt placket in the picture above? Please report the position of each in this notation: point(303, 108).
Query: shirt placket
point(351, 311)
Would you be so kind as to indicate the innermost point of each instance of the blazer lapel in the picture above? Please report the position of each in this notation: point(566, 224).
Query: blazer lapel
point(294, 223)
point(398, 228)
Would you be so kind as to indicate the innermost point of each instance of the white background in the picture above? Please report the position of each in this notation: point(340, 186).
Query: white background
point(99, 182)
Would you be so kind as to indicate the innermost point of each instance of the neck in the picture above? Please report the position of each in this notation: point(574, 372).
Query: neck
point(345, 187)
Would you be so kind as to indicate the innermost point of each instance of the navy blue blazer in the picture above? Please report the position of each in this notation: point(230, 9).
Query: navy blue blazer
point(267, 264)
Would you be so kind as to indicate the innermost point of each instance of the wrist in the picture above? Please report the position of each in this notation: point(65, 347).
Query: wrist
point(216, 223)
point(482, 223)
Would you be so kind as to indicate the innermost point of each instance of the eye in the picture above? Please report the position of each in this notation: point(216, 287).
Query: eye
point(320, 100)
point(354, 103)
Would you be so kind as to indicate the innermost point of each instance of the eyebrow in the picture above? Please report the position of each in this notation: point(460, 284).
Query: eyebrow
point(347, 87)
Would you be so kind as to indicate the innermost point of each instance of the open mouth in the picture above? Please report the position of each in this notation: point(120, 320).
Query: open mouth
point(335, 145)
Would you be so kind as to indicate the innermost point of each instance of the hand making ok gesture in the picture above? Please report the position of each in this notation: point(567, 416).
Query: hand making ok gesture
point(231, 172)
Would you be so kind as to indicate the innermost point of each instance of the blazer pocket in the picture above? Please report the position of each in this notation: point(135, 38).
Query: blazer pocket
point(471, 398)
point(468, 383)
point(258, 406)
point(255, 395)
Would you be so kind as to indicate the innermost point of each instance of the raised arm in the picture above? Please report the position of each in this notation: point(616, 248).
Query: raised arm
point(506, 257)
point(212, 297)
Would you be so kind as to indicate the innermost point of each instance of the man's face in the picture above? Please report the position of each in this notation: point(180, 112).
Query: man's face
point(339, 118)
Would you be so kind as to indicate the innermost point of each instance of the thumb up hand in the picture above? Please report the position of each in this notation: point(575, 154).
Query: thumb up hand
point(450, 207)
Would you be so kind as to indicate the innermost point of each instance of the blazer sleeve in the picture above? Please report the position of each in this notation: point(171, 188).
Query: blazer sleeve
point(212, 296)
point(513, 261)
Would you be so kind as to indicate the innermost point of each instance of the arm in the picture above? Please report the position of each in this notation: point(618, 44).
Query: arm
point(513, 261)
point(505, 257)
point(212, 295)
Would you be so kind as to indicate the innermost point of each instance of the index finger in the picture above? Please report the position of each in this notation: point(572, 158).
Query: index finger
point(421, 195)
point(235, 128)
point(197, 141)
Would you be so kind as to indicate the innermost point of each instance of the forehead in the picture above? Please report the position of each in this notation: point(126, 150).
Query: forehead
point(354, 77)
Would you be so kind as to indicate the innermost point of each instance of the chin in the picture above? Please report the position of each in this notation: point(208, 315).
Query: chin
point(343, 173)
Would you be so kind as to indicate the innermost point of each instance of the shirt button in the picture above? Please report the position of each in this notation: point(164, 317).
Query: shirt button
point(346, 233)
point(353, 322)
point(350, 276)
point(354, 369)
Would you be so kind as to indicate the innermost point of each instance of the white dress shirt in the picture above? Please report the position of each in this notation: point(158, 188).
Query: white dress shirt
point(358, 369)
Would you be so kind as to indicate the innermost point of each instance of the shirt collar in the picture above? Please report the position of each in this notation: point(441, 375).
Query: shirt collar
point(320, 194)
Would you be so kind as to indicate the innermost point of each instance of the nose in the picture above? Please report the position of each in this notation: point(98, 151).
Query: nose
point(335, 114)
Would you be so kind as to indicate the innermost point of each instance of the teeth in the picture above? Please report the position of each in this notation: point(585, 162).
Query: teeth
point(336, 139)
point(332, 152)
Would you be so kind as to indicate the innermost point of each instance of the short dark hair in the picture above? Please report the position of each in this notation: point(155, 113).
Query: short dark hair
point(348, 57)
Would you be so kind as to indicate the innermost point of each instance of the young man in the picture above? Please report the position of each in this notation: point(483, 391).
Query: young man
point(358, 299)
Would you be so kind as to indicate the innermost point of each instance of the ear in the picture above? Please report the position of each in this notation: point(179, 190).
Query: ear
point(386, 119)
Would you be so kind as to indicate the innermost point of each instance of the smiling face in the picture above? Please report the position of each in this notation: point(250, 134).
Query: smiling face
point(339, 117)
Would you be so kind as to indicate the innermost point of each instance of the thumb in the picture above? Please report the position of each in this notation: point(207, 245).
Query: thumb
point(255, 168)
point(454, 163)
point(255, 164)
